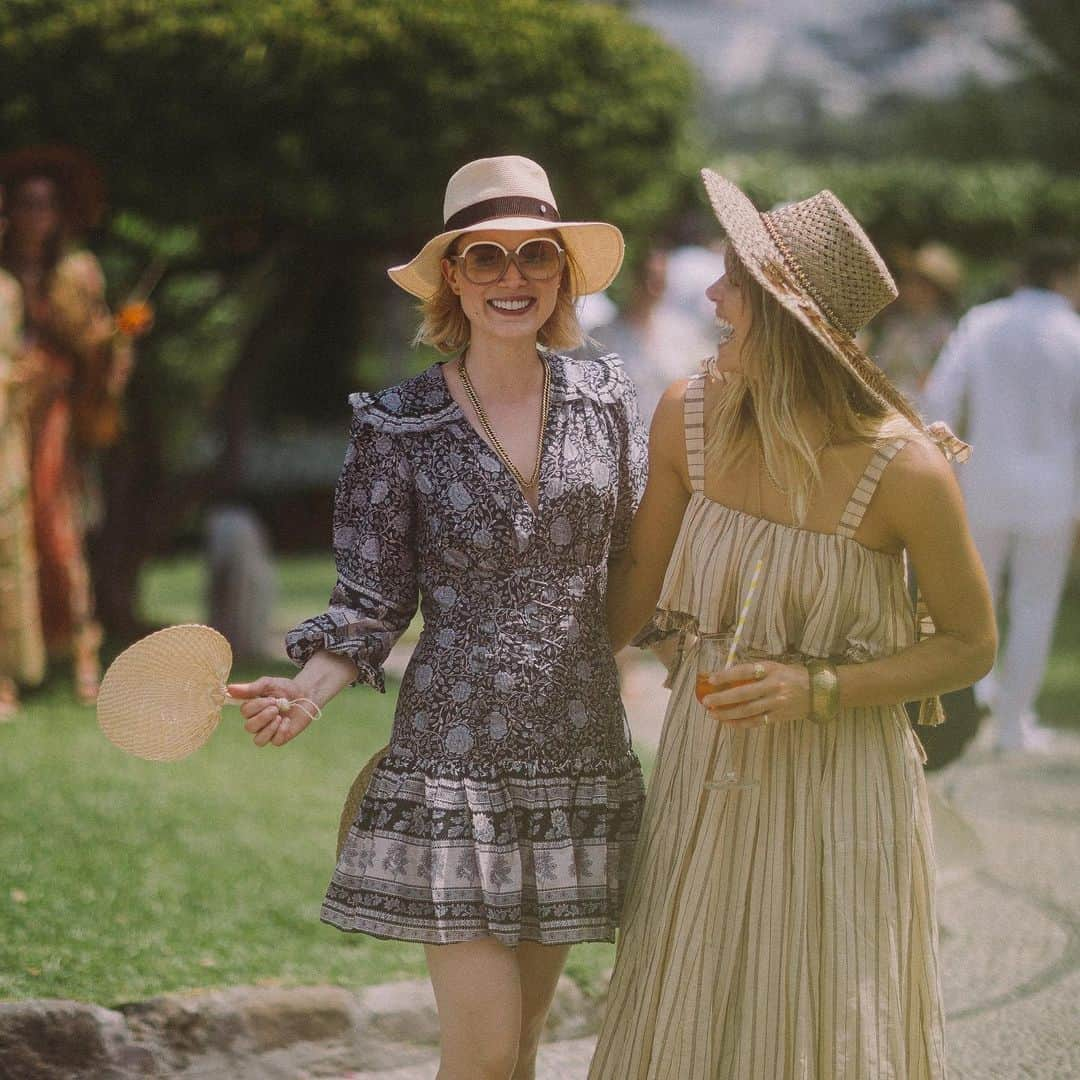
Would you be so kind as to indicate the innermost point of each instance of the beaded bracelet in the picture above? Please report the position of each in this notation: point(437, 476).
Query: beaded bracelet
point(824, 691)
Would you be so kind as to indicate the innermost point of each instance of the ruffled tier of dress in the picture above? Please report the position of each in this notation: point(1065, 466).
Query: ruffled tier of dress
point(529, 851)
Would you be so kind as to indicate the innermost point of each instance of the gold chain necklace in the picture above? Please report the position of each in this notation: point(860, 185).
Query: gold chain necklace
point(768, 472)
point(489, 431)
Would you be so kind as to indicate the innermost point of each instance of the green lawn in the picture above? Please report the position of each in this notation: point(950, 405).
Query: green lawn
point(122, 878)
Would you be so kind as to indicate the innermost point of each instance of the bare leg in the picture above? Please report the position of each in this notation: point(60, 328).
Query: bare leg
point(540, 966)
point(87, 642)
point(478, 994)
point(9, 698)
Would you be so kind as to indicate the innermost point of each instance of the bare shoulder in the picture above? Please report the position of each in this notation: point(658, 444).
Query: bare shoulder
point(667, 434)
point(918, 480)
point(667, 422)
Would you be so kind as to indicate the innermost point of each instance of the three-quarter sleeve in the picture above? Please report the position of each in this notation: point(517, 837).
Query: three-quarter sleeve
point(376, 593)
point(633, 462)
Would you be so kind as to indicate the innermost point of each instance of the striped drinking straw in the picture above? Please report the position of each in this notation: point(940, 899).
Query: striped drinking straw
point(742, 614)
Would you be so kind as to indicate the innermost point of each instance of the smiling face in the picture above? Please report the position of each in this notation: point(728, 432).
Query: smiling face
point(733, 315)
point(512, 307)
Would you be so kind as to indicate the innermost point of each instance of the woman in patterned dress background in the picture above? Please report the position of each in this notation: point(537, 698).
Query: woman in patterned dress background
point(784, 929)
point(498, 828)
point(75, 369)
point(22, 648)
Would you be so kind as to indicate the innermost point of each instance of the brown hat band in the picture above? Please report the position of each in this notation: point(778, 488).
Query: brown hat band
point(503, 206)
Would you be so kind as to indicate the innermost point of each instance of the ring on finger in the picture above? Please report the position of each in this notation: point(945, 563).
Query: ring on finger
point(759, 671)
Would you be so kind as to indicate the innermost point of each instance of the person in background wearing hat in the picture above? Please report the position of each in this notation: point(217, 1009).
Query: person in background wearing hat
point(780, 918)
point(915, 330)
point(499, 826)
point(22, 650)
point(1010, 375)
point(78, 366)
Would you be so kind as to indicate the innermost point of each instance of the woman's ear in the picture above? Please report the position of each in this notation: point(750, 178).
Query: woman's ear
point(450, 275)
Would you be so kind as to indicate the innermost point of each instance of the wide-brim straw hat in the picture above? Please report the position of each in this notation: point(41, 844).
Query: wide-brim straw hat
point(815, 259)
point(80, 181)
point(512, 193)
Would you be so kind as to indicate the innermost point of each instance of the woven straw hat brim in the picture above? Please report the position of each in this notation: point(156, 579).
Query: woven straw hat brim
point(596, 248)
point(747, 234)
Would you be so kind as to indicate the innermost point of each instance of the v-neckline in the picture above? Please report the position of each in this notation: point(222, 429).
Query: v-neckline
point(534, 511)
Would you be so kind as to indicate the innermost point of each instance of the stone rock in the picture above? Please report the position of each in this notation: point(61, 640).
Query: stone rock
point(278, 1018)
point(60, 1040)
point(185, 1027)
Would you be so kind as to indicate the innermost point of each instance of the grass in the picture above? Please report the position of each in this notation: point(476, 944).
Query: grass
point(120, 878)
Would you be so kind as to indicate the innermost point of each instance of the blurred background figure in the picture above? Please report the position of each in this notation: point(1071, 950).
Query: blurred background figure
point(1009, 382)
point(924, 315)
point(658, 340)
point(22, 652)
point(77, 367)
point(242, 580)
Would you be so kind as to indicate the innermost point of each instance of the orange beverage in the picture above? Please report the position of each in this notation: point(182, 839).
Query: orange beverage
point(704, 687)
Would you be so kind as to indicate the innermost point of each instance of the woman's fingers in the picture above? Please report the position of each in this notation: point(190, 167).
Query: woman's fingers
point(259, 688)
point(268, 732)
point(259, 713)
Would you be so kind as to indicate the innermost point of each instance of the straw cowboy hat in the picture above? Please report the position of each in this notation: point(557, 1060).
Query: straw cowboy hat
point(78, 179)
point(815, 259)
point(512, 193)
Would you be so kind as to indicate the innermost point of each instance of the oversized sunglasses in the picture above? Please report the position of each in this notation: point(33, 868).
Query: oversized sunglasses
point(485, 261)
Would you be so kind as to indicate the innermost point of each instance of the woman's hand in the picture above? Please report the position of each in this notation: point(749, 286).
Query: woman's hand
point(266, 713)
point(772, 693)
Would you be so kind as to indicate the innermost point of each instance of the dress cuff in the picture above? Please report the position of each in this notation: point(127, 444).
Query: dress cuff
point(309, 638)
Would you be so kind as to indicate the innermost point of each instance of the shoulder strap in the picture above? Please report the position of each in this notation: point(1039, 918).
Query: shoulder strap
point(694, 422)
point(851, 518)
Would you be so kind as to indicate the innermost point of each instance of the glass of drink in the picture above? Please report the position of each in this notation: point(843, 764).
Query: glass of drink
point(713, 657)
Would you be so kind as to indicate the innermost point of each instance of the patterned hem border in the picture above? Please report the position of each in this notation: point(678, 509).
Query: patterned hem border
point(385, 932)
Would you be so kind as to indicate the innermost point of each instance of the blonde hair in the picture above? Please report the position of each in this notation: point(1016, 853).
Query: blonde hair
point(445, 326)
point(783, 367)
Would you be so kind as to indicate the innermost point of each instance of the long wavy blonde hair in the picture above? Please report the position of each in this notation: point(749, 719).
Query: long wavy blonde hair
point(782, 367)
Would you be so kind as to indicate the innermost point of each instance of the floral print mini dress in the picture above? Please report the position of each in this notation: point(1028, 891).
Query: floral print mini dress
point(509, 801)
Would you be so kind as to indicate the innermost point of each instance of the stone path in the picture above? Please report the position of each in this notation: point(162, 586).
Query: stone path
point(1007, 831)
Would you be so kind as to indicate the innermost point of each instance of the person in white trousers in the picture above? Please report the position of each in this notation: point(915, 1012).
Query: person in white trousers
point(1009, 381)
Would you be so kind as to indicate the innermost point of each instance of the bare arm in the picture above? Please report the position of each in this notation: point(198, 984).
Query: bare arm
point(921, 502)
point(636, 576)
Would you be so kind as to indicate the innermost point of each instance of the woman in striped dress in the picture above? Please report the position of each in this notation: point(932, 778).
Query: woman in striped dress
point(784, 929)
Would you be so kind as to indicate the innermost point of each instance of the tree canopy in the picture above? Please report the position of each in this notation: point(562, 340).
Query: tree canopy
point(344, 116)
point(282, 155)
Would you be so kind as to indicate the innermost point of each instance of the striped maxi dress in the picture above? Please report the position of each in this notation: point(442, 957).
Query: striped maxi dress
point(785, 932)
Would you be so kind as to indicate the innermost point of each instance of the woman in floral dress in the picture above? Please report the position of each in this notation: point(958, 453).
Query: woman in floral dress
point(499, 827)
point(22, 649)
point(75, 369)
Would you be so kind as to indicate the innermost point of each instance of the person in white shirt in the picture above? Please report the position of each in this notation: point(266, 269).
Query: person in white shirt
point(1009, 381)
point(658, 341)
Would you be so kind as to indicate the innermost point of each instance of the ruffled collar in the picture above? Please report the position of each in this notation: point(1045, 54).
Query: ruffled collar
point(423, 403)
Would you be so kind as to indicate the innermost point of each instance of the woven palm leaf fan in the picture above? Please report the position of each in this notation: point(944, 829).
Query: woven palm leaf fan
point(161, 698)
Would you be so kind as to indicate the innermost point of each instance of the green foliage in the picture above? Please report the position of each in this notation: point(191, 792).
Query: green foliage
point(985, 209)
point(341, 115)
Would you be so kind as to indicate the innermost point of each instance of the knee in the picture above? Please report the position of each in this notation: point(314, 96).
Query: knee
point(491, 1056)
